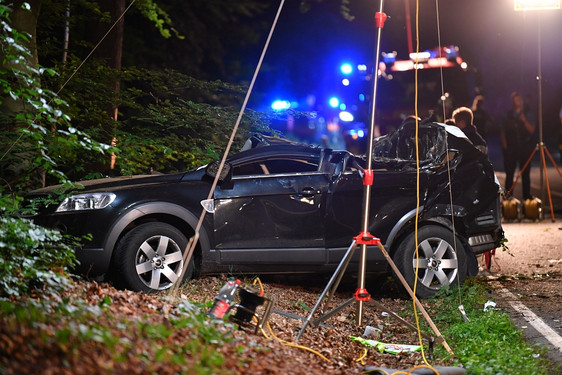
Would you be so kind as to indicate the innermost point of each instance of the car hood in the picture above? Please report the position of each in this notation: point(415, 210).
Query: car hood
point(113, 183)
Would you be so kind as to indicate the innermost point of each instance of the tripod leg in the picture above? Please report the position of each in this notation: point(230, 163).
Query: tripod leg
point(334, 280)
point(553, 162)
point(547, 184)
point(416, 301)
point(522, 169)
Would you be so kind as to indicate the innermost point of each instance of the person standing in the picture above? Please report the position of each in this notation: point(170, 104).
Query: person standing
point(481, 119)
point(462, 118)
point(518, 143)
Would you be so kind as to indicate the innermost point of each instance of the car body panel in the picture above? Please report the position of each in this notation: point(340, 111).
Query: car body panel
point(288, 207)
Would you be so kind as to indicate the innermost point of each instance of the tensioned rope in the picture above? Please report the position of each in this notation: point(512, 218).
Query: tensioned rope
point(447, 148)
point(416, 244)
point(193, 240)
point(418, 169)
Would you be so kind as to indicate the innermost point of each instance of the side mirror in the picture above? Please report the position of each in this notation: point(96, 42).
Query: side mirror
point(225, 173)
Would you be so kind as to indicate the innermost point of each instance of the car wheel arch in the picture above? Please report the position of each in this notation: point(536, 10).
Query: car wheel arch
point(402, 257)
point(405, 226)
point(139, 214)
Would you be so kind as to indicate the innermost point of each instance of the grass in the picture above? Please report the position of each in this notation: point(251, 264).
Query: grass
point(488, 343)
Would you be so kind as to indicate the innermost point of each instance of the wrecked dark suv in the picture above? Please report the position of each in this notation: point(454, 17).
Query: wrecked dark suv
point(284, 207)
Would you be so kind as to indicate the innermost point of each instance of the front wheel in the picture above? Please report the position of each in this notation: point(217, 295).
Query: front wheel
point(150, 258)
point(440, 263)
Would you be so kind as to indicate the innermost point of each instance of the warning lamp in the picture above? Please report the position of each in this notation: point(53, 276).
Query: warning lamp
point(346, 68)
point(280, 105)
point(346, 116)
point(334, 102)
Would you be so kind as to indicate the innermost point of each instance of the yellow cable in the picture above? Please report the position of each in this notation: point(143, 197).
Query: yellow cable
point(297, 346)
point(422, 366)
point(257, 280)
point(361, 359)
point(417, 183)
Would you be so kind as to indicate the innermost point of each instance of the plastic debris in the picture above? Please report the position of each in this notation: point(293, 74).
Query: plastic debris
point(490, 305)
point(371, 332)
point(386, 347)
point(463, 313)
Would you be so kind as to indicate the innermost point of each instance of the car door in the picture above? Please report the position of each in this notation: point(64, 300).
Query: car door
point(393, 195)
point(272, 213)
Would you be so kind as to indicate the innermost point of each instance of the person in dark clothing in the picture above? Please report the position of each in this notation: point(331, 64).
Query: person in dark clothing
point(481, 119)
point(518, 143)
point(462, 117)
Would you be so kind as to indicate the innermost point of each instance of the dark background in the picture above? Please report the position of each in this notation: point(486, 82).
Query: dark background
point(499, 44)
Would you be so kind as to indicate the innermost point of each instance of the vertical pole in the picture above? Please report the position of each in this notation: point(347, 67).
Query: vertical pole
point(539, 79)
point(380, 17)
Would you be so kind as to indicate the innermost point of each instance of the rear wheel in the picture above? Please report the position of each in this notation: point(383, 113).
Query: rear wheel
point(150, 258)
point(439, 263)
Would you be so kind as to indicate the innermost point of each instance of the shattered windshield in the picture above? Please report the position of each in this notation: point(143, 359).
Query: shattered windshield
point(397, 150)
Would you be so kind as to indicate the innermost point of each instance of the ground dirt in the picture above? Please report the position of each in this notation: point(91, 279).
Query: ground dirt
point(530, 268)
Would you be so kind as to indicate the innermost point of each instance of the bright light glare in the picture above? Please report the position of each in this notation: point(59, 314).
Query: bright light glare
point(346, 68)
point(536, 4)
point(346, 116)
point(345, 82)
point(362, 67)
point(334, 102)
point(280, 105)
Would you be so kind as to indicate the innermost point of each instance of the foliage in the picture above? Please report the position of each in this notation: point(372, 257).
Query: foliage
point(184, 338)
point(32, 256)
point(159, 17)
point(36, 131)
point(487, 344)
point(168, 121)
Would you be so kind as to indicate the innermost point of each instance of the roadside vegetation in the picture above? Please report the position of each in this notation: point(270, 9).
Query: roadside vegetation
point(72, 325)
point(488, 343)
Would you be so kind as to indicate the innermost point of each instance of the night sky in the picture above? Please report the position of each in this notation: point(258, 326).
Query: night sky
point(499, 44)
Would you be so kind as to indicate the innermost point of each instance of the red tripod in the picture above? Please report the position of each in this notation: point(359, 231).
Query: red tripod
point(364, 239)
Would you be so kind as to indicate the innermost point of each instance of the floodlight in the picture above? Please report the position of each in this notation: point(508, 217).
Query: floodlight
point(536, 4)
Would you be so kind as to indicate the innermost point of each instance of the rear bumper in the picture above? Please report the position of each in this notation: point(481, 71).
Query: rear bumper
point(485, 231)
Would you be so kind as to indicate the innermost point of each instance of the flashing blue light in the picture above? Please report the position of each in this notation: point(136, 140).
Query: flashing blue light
point(388, 57)
point(343, 107)
point(280, 105)
point(362, 97)
point(334, 102)
point(346, 68)
point(345, 82)
point(346, 116)
point(361, 133)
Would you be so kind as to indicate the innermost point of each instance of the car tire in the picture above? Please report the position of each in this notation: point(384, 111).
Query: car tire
point(440, 262)
point(141, 266)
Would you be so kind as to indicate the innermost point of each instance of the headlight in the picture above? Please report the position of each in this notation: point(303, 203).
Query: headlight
point(79, 202)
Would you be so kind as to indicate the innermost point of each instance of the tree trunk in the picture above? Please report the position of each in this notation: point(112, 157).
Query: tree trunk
point(25, 21)
point(111, 50)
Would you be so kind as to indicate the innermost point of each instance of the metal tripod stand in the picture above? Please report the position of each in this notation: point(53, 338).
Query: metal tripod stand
point(365, 238)
point(540, 146)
